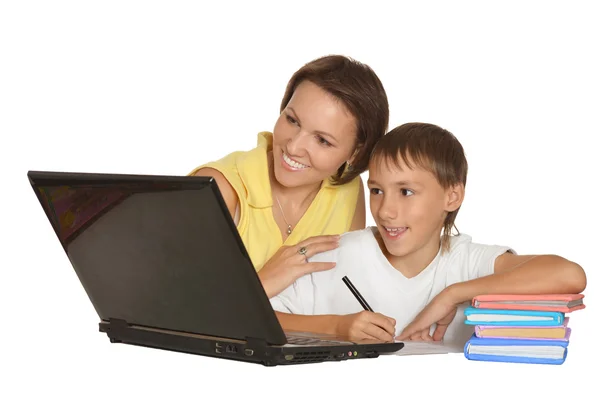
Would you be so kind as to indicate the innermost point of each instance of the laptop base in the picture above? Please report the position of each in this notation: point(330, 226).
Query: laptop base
point(250, 351)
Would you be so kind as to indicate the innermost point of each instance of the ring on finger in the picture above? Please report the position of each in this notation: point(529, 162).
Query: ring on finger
point(302, 251)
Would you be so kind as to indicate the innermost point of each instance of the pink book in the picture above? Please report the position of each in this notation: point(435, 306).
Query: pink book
point(554, 302)
point(554, 333)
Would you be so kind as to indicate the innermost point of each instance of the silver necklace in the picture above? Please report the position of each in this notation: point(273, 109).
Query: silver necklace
point(289, 229)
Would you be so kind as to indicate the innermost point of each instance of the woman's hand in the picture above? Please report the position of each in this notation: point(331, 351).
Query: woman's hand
point(290, 263)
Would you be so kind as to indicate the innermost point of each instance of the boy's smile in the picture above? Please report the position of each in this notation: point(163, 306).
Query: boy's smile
point(394, 233)
point(409, 207)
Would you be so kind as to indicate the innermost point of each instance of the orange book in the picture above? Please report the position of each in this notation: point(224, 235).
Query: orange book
point(525, 332)
point(565, 303)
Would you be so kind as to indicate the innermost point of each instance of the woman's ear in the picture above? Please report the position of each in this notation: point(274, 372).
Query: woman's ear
point(454, 197)
point(354, 155)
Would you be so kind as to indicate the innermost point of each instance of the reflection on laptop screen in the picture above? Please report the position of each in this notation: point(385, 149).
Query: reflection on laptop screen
point(158, 253)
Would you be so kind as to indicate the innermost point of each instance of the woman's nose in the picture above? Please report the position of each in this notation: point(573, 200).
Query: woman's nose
point(296, 145)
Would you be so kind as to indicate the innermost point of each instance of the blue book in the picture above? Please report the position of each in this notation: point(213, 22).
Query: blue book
point(516, 350)
point(506, 317)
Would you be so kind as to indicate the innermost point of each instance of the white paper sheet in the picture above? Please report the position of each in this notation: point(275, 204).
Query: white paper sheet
point(426, 348)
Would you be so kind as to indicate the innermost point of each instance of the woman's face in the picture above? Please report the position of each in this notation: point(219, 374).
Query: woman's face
point(312, 138)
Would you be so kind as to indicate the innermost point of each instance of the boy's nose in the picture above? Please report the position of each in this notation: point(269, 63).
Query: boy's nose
point(387, 211)
point(386, 214)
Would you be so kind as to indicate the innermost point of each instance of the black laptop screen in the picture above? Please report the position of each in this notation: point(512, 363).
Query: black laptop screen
point(161, 254)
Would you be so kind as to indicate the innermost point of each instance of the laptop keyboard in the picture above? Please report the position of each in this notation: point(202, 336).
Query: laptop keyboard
point(300, 340)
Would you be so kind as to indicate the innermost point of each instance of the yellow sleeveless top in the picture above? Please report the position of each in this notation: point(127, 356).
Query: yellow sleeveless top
point(331, 211)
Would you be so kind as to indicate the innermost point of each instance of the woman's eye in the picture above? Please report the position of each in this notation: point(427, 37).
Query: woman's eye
point(406, 192)
point(322, 141)
point(291, 120)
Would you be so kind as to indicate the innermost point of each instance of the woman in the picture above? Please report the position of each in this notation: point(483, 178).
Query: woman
point(300, 188)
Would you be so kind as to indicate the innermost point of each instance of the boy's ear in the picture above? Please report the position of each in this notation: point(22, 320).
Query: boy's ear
point(454, 197)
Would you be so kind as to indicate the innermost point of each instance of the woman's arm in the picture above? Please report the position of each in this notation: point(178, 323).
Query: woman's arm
point(227, 191)
point(287, 265)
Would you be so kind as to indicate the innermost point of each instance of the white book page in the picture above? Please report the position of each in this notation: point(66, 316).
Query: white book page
point(546, 352)
point(499, 317)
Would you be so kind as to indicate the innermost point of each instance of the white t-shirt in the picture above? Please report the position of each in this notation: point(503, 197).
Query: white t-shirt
point(384, 288)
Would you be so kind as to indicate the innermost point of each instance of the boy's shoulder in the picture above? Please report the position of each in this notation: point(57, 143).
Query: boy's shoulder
point(351, 243)
point(459, 242)
point(464, 243)
point(468, 259)
point(353, 237)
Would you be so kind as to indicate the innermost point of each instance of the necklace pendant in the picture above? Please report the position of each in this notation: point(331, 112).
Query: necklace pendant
point(289, 230)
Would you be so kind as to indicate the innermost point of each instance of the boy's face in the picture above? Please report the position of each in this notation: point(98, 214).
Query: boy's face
point(409, 207)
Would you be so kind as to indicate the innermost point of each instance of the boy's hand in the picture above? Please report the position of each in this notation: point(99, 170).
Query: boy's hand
point(441, 311)
point(366, 325)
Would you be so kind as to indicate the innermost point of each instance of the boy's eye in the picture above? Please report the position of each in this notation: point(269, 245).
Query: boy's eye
point(291, 120)
point(324, 142)
point(375, 191)
point(406, 192)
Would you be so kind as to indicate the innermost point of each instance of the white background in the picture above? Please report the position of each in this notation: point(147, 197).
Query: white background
point(159, 87)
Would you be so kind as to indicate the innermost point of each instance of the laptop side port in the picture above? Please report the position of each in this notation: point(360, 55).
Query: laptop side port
point(231, 349)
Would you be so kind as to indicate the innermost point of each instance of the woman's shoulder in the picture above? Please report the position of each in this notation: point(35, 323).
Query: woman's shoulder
point(353, 186)
point(231, 160)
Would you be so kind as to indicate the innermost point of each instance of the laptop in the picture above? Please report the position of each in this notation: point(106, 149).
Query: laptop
point(162, 262)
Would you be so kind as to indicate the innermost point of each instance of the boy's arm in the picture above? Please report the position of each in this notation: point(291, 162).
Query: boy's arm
point(353, 327)
point(513, 274)
point(294, 310)
point(523, 274)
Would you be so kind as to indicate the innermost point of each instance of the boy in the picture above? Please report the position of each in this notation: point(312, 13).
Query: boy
point(408, 267)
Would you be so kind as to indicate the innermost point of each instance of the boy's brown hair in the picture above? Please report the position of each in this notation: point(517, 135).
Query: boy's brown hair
point(429, 147)
point(357, 86)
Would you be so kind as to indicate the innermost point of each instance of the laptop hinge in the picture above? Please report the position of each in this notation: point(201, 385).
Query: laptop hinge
point(114, 325)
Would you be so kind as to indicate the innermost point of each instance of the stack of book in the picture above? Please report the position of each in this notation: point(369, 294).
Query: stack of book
point(520, 328)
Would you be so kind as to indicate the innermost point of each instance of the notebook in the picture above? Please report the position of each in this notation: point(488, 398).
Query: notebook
point(507, 317)
point(533, 332)
point(554, 303)
point(516, 350)
point(162, 263)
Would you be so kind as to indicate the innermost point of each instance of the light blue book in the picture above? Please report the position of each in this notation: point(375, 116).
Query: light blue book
point(516, 350)
point(506, 317)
